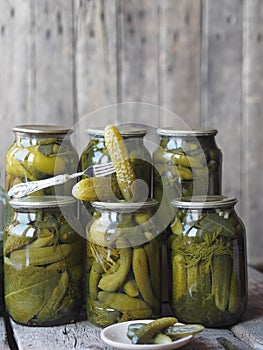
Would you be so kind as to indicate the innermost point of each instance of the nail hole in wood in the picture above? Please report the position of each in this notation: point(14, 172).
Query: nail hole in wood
point(129, 18)
point(48, 33)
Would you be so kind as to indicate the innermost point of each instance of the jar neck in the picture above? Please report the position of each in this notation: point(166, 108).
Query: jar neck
point(27, 140)
point(173, 142)
point(227, 211)
point(207, 141)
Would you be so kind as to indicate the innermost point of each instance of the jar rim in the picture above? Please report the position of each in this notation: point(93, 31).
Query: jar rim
point(124, 131)
point(204, 202)
point(195, 132)
point(38, 202)
point(124, 206)
point(42, 129)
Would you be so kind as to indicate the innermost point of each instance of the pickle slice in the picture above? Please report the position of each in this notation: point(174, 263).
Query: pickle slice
point(183, 330)
point(120, 158)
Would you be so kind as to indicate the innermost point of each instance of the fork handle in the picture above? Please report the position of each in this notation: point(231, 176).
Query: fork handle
point(23, 189)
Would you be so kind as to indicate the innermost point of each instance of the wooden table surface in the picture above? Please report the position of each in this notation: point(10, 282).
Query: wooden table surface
point(248, 334)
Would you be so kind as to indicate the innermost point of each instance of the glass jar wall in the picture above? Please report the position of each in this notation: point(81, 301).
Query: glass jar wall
point(123, 263)
point(187, 163)
point(96, 151)
point(5, 216)
point(43, 262)
point(40, 152)
point(207, 259)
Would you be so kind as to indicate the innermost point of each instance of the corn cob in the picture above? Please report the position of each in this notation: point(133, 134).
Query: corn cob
point(120, 158)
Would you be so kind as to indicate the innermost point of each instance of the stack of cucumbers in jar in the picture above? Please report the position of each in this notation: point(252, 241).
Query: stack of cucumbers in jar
point(206, 239)
point(124, 238)
point(43, 260)
point(123, 247)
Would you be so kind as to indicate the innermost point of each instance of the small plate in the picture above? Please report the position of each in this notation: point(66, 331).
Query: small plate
point(115, 335)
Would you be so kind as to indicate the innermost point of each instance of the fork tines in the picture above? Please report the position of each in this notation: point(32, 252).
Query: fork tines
point(103, 169)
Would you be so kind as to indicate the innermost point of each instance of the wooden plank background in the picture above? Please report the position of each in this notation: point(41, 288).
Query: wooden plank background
point(200, 59)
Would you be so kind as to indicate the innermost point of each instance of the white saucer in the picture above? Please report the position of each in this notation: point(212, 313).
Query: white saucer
point(115, 335)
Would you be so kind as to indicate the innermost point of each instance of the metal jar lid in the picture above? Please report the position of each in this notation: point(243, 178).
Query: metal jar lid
point(174, 132)
point(204, 202)
point(125, 131)
point(42, 129)
point(124, 207)
point(39, 202)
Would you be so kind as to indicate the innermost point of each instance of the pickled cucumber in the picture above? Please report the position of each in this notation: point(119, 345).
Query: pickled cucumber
point(206, 287)
point(97, 188)
point(120, 158)
point(43, 274)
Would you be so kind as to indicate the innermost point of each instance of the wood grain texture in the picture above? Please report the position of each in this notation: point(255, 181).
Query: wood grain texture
point(84, 335)
point(52, 72)
point(201, 59)
point(137, 58)
point(250, 329)
point(222, 84)
point(16, 86)
point(95, 56)
point(3, 335)
point(180, 60)
point(252, 145)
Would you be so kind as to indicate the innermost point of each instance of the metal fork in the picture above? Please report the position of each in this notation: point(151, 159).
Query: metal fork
point(23, 189)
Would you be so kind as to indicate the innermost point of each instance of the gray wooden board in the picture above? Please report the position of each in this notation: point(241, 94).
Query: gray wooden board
point(180, 60)
point(201, 59)
point(95, 56)
point(3, 336)
point(250, 329)
point(15, 73)
point(222, 84)
point(84, 335)
point(252, 144)
point(52, 73)
point(95, 67)
point(137, 59)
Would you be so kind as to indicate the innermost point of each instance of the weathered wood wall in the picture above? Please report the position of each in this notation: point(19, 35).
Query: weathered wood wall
point(200, 59)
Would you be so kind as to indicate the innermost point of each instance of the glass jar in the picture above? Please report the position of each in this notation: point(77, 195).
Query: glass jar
point(5, 216)
point(207, 253)
point(123, 263)
point(43, 261)
point(40, 152)
point(96, 152)
point(187, 163)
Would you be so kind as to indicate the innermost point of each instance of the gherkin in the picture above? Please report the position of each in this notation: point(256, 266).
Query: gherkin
point(120, 158)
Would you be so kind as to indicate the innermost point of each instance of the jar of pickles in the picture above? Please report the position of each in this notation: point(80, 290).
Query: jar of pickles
point(96, 152)
point(43, 261)
point(187, 163)
point(40, 152)
point(5, 216)
point(123, 263)
point(207, 253)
